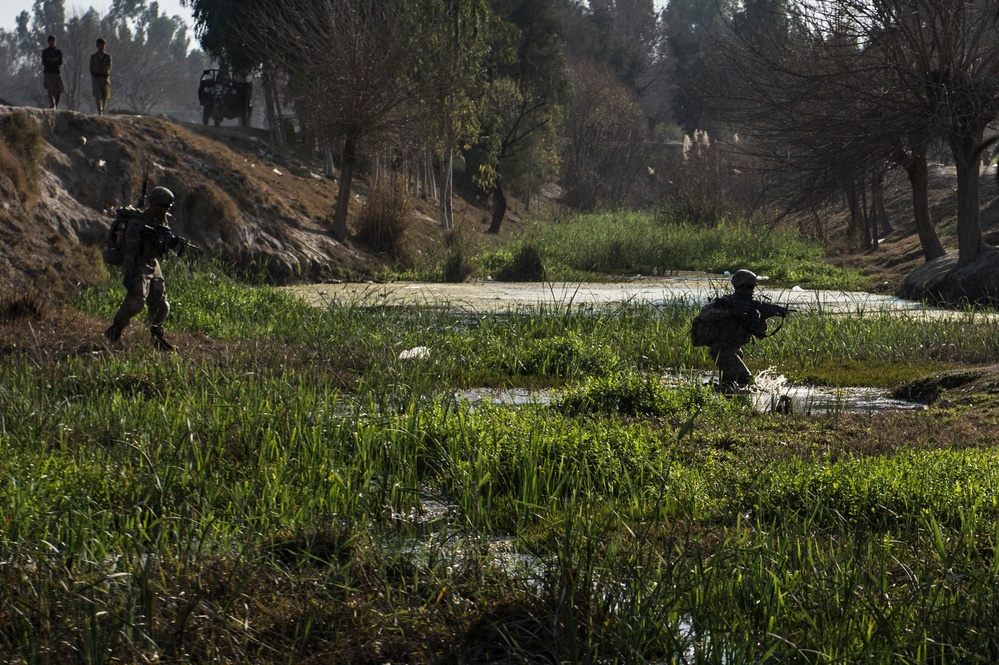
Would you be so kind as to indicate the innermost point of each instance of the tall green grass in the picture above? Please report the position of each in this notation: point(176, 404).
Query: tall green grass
point(253, 505)
point(647, 243)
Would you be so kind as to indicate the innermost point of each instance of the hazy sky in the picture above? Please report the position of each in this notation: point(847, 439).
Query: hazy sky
point(9, 9)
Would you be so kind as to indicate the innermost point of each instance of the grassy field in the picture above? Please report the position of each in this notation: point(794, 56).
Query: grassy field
point(287, 489)
point(592, 246)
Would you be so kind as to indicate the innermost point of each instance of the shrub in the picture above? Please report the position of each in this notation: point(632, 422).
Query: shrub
point(456, 266)
point(630, 394)
point(383, 220)
point(525, 265)
point(33, 305)
point(566, 356)
point(208, 213)
point(20, 152)
point(706, 184)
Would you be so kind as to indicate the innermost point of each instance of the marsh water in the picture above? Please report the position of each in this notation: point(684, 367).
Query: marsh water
point(772, 392)
point(693, 288)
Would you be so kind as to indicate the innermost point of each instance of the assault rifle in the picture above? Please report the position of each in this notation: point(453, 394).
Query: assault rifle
point(167, 241)
point(768, 310)
point(748, 313)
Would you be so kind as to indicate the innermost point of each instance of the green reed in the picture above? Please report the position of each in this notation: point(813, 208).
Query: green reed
point(272, 501)
point(646, 243)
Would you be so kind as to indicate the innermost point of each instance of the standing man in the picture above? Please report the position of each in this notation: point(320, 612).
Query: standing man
point(726, 324)
point(52, 71)
point(100, 76)
point(147, 240)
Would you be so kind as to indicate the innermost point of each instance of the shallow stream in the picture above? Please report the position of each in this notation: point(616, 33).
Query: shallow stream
point(692, 288)
point(771, 393)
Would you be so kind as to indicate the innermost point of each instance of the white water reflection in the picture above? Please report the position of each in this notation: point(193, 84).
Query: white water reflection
point(773, 392)
point(692, 288)
point(770, 393)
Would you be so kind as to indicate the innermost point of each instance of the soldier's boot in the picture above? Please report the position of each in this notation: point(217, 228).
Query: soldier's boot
point(159, 341)
point(727, 388)
point(113, 335)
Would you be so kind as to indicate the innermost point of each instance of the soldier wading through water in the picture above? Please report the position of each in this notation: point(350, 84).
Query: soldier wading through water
point(146, 240)
point(727, 323)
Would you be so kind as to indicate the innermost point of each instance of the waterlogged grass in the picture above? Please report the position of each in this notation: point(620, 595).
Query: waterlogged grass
point(650, 244)
point(299, 494)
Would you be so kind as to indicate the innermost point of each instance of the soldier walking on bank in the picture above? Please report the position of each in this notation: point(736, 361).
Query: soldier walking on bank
point(146, 242)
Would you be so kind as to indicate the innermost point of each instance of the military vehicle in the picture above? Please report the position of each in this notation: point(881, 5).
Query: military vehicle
point(222, 97)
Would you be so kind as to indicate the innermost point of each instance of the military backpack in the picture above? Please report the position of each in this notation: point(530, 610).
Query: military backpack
point(113, 253)
point(700, 331)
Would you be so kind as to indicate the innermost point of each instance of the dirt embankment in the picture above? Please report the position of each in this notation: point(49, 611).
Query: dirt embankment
point(266, 210)
point(262, 210)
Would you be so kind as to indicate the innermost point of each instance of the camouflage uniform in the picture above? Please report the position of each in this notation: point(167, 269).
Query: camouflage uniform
point(730, 323)
point(143, 278)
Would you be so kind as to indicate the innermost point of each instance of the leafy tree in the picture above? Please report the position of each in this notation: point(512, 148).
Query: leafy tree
point(150, 54)
point(229, 31)
point(150, 51)
point(80, 34)
point(19, 58)
point(693, 29)
point(523, 98)
point(48, 17)
point(452, 63)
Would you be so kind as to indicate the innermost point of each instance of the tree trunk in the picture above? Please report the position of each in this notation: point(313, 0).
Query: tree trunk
point(969, 228)
point(870, 223)
point(272, 106)
point(347, 161)
point(878, 210)
point(915, 167)
point(856, 222)
point(447, 182)
point(499, 209)
point(429, 183)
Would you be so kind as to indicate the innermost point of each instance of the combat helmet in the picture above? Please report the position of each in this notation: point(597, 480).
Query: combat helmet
point(164, 197)
point(744, 279)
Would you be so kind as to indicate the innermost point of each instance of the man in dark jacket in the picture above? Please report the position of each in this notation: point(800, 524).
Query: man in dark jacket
point(52, 72)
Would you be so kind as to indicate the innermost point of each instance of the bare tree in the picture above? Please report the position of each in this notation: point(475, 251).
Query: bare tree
point(604, 153)
point(853, 83)
point(832, 96)
point(355, 74)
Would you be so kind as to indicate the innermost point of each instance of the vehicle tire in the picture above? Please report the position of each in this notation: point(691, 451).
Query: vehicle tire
point(206, 114)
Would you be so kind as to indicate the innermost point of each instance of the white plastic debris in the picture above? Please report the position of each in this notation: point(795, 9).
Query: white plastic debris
point(417, 352)
point(276, 171)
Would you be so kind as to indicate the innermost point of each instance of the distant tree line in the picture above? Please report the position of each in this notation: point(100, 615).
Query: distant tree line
point(714, 108)
point(501, 94)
